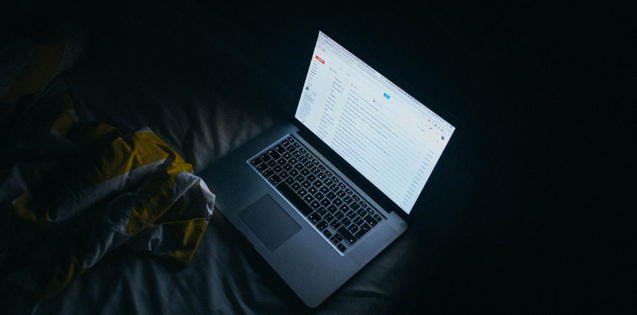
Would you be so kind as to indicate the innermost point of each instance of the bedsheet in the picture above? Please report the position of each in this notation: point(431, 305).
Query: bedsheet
point(74, 192)
point(199, 84)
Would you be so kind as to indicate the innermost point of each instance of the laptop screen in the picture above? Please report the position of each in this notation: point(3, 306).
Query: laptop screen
point(389, 137)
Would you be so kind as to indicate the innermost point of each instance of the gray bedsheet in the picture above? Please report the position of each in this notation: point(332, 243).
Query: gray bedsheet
point(190, 77)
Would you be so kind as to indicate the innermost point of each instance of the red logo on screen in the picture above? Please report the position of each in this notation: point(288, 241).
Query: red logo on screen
point(321, 60)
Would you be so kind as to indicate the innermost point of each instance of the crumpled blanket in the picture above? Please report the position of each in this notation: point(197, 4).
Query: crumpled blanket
point(74, 193)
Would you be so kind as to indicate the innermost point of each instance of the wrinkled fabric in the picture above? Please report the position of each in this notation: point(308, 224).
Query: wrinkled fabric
point(80, 192)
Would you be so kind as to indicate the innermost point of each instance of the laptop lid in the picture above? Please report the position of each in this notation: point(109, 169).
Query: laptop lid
point(387, 141)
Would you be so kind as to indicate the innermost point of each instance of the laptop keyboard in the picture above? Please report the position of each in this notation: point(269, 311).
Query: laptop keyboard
point(337, 212)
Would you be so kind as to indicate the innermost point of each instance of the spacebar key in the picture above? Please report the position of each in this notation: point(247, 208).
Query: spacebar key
point(294, 198)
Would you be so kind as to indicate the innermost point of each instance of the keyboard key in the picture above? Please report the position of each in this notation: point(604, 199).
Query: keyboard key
point(302, 150)
point(318, 184)
point(265, 157)
point(334, 187)
point(322, 167)
point(296, 145)
point(377, 217)
point(351, 214)
point(309, 165)
point(296, 154)
point(285, 143)
point(315, 204)
point(328, 173)
point(365, 228)
point(346, 221)
point(347, 235)
point(361, 232)
point(314, 218)
point(277, 168)
point(339, 215)
point(341, 247)
point(269, 172)
point(282, 161)
point(290, 181)
point(315, 161)
point(306, 184)
point(292, 161)
point(356, 198)
point(262, 167)
point(321, 175)
point(358, 221)
point(295, 186)
point(337, 202)
point(300, 178)
point(341, 193)
point(303, 159)
point(312, 190)
point(325, 202)
point(287, 167)
point(321, 211)
point(302, 192)
point(335, 179)
point(288, 193)
point(361, 212)
point(332, 209)
point(322, 225)
point(354, 206)
point(370, 210)
point(353, 228)
point(348, 191)
point(284, 175)
point(275, 179)
point(318, 196)
point(328, 182)
point(279, 149)
point(271, 163)
point(335, 224)
point(327, 233)
point(328, 217)
point(299, 166)
point(275, 155)
point(311, 178)
point(348, 200)
point(294, 173)
point(363, 204)
point(308, 198)
point(330, 196)
point(342, 185)
point(370, 220)
point(343, 208)
point(336, 239)
point(304, 171)
point(324, 190)
point(315, 170)
point(256, 161)
point(286, 155)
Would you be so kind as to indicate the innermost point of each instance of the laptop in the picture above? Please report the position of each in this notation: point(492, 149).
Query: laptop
point(320, 196)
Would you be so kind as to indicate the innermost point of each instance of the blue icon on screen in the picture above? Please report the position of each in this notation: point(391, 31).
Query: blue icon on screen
point(386, 95)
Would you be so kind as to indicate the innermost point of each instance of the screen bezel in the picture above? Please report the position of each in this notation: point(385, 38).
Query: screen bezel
point(378, 196)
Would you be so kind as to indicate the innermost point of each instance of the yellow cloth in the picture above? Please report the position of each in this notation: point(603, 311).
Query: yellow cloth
point(69, 211)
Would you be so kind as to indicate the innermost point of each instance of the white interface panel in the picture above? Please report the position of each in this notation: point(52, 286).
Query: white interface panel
point(385, 134)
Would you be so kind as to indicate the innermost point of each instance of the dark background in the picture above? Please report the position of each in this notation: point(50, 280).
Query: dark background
point(547, 94)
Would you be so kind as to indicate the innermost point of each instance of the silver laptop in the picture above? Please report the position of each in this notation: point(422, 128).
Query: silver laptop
point(322, 195)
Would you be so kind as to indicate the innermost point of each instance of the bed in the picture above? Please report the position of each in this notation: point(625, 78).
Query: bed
point(195, 82)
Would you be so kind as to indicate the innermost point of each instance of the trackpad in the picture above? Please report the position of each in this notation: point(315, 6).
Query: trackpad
point(269, 222)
